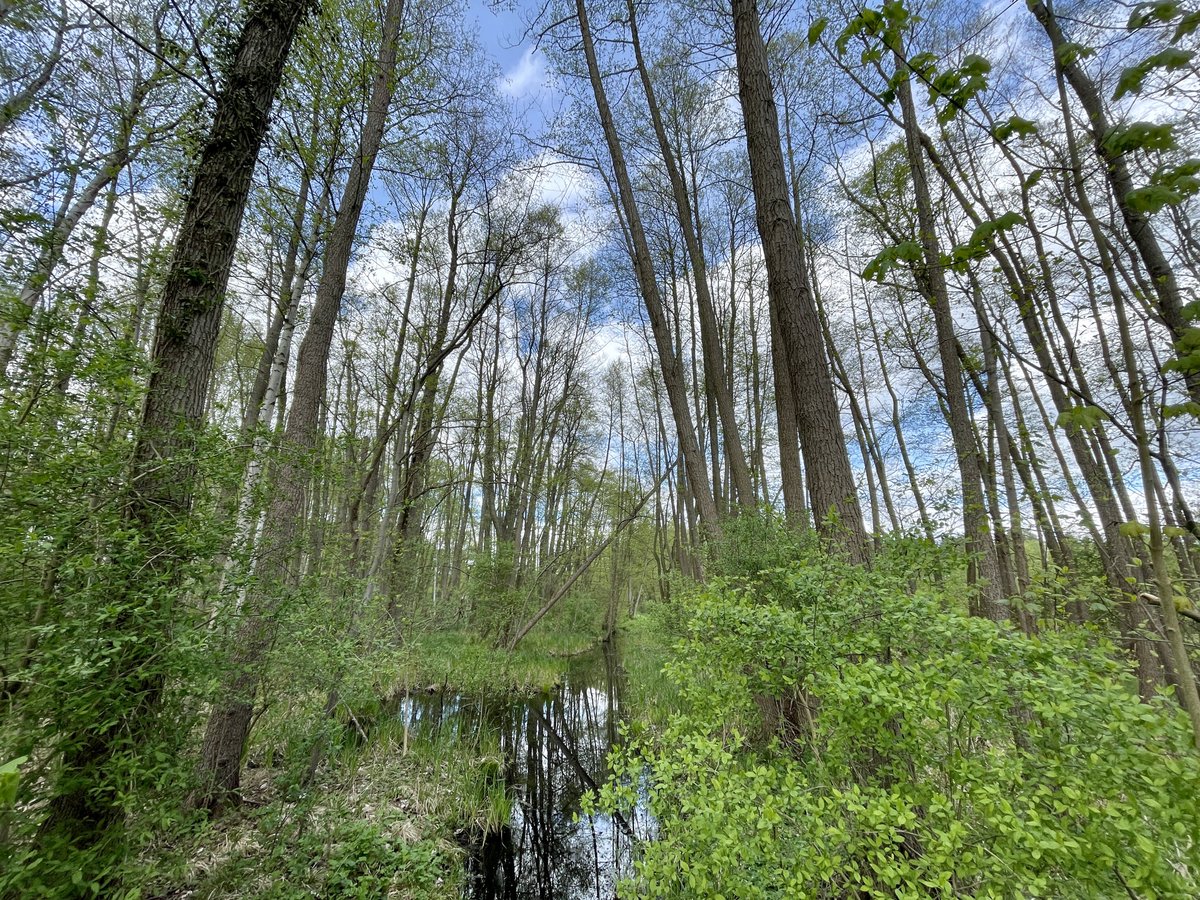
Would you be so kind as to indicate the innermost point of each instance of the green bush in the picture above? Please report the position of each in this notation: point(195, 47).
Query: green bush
point(845, 738)
point(349, 860)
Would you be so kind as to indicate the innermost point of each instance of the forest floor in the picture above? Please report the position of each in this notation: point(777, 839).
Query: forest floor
point(387, 814)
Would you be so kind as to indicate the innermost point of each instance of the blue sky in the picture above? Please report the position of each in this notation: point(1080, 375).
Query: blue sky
point(501, 33)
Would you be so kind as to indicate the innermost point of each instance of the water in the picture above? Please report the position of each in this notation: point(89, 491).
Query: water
point(553, 751)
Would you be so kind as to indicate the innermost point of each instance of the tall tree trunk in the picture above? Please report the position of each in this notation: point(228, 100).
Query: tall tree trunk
point(983, 567)
point(229, 723)
point(827, 461)
point(710, 339)
point(1120, 181)
point(668, 358)
point(163, 468)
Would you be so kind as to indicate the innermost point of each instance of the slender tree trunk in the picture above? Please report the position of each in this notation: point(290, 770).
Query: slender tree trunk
point(1116, 170)
point(710, 339)
point(668, 358)
point(983, 569)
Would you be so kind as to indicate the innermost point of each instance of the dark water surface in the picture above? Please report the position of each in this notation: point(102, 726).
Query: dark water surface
point(553, 751)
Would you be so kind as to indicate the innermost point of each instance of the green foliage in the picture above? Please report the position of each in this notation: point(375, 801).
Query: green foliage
point(1168, 187)
point(357, 861)
point(1187, 25)
point(1144, 136)
point(886, 25)
point(1172, 59)
point(884, 29)
point(904, 253)
point(1069, 53)
point(1080, 418)
point(816, 29)
point(1158, 12)
point(1152, 198)
point(461, 662)
point(497, 604)
point(102, 642)
point(751, 544)
point(1133, 529)
point(345, 858)
point(982, 239)
point(1177, 410)
point(840, 735)
point(1015, 124)
point(959, 85)
point(1187, 350)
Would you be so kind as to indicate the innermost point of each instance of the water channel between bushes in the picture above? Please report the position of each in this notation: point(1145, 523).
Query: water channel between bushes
point(552, 751)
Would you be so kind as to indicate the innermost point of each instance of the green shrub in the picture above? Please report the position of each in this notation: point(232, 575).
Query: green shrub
point(845, 738)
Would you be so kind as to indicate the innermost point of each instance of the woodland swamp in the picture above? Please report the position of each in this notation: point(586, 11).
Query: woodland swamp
point(599, 448)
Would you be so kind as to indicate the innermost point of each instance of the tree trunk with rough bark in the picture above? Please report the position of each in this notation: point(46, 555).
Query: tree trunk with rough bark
point(278, 573)
point(163, 468)
point(827, 462)
point(668, 358)
point(983, 563)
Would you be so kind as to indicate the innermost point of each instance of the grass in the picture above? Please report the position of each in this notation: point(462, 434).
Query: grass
point(373, 824)
point(460, 662)
point(646, 644)
point(388, 808)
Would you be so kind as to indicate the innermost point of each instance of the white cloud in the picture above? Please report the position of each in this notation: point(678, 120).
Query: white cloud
point(528, 76)
point(561, 182)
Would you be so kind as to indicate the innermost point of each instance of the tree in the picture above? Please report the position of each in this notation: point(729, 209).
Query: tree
point(159, 495)
point(827, 463)
point(229, 723)
point(672, 369)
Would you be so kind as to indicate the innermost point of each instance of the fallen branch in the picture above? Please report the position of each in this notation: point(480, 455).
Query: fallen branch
point(587, 563)
point(1154, 601)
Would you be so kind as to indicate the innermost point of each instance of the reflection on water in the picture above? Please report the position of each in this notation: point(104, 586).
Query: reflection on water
point(553, 750)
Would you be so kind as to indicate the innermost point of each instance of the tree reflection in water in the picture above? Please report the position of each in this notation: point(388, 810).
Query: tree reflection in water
point(554, 750)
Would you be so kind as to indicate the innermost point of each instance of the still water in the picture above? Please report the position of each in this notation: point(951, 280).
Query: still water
point(552, 751)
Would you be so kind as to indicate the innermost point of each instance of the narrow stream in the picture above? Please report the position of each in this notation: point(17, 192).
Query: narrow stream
point(553, 751)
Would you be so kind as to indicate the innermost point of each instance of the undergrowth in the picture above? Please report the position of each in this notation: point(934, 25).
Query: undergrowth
point(843, 732)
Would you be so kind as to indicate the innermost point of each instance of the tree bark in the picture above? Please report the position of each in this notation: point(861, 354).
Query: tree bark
point(983, 565)
point(229, 723)
point(163, 466)
point(1120, 181)
point(672, 369)
point(710, 340)
point(827, 462)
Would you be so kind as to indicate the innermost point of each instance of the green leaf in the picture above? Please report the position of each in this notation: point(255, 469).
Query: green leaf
point(1187, 25)
point(924, 63)
point(1146, 13)
point(960, 85)
point(10, 780)
point(1139, 136)
point(1152, 198)
point(1015, 125)
point(981, 240)
point(1172, 59)
point(1177, 410)
point(985, 231)
point(816, 29)
point(1070, 52)
point(1081, 418)
point(891, 257)
point(1133, 529)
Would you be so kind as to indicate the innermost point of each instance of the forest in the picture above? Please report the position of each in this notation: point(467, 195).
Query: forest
point(599, 448)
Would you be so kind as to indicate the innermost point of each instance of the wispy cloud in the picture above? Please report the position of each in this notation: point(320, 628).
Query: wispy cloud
point(527, 76)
